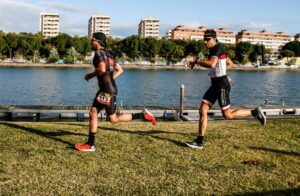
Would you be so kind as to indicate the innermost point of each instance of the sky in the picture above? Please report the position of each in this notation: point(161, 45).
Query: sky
point(125, 15)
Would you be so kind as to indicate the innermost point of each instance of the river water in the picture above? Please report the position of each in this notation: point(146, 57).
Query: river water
point(66, 86)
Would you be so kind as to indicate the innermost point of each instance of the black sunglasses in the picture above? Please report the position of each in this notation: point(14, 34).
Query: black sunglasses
point(207, 39)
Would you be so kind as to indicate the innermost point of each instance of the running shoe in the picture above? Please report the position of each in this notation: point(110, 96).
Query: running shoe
point(195, 144)
point(85, 147)
point(148, 116)
point(260, 116)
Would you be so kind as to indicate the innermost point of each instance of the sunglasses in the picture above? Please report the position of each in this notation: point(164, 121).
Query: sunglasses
point(94, 39)
point(207, 39)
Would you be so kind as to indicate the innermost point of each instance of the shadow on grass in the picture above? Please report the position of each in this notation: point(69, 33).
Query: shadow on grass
point(48, 135)
point(291, 192)
point(276, 151)
point(147, 133)
point(136, 132)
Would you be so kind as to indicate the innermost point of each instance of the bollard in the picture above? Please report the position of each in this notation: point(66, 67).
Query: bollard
point(80, 116)
point(181, 100)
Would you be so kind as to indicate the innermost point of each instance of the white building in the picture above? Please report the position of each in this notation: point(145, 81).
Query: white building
point(149, 27)
point(99, 23)
point(168, 35)
point(49, 24)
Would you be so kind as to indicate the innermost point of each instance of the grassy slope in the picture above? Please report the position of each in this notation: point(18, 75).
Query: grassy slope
point(238, 158)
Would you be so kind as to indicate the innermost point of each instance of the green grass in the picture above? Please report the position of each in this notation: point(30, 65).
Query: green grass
point(36, 158)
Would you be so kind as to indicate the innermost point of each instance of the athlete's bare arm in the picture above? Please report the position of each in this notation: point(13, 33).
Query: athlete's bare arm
point(208, 64)
point(118, 71)
point(229, 63)
point(98, 71)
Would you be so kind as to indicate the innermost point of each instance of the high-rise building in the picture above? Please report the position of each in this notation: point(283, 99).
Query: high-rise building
point(273, 41)
point(49, 24)
point(191, 33)
point(99, 23)
point(149, 27)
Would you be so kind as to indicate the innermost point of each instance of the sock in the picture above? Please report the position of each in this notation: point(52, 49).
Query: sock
point(137, 116)
point(200, 139)
point(91, 140)
point(253, 112)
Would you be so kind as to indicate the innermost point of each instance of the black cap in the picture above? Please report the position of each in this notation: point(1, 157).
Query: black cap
point(99, 36)
point(210, 33)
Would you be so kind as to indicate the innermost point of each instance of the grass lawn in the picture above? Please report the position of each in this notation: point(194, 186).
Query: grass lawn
point(37, 158)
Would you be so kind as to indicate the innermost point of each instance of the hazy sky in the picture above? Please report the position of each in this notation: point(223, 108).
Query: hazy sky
point(272, 15)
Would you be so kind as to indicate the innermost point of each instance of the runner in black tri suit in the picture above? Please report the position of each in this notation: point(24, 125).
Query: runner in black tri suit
point(220, 88)
point(106, 71)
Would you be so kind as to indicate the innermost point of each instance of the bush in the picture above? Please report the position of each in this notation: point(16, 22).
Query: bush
point(53, 60)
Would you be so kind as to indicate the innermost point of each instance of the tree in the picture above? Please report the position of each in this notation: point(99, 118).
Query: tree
point(114, 46)
point(168, 48)
point(287, 54)
point(3, 43)
point(258, 51)
point(292, 46)
point(243, 50)
point(78, 44)
point(62, 42)
point(229, 50)
point(131, 46)
point(195, 48)
point(86, 45)
point(72, 55)
point(151, 47)
point(12, 43)
point(53, 57)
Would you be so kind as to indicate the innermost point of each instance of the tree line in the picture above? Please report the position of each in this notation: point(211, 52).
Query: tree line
point(34, 47)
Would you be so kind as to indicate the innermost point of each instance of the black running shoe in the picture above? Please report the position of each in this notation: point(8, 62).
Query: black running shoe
point(195, 144)
point(260, 116)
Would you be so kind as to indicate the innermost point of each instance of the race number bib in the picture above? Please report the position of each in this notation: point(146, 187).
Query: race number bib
point(104, 98)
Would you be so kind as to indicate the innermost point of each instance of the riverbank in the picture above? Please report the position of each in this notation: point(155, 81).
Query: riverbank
point(147, 67)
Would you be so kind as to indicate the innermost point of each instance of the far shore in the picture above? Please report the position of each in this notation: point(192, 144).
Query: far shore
point(146, 67)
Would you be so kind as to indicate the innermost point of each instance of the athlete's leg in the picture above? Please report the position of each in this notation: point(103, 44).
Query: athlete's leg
point(238, 113)
point(146, 115)
point(224, 103)
point(203, 118)
point(117, 118)
point(89, 146)
point(94, 111)
point(209, 99)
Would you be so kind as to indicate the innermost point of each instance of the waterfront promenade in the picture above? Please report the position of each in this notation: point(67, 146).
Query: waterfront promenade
point(149, 67)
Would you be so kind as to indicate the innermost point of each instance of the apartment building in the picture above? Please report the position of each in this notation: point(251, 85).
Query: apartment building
point(167, 35)
point(273, 41)
point(191, 33)
point(149, 27)
point(99, 23)
point(297, 37)
point(49, 24)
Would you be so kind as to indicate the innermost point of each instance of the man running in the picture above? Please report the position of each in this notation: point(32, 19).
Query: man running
point(219, 89)
point(106, 70)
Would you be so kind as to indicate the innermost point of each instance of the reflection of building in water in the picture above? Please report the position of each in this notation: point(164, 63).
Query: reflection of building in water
point(49, 24)
point(99, 23)
point(273, 41)
point(191, 33)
